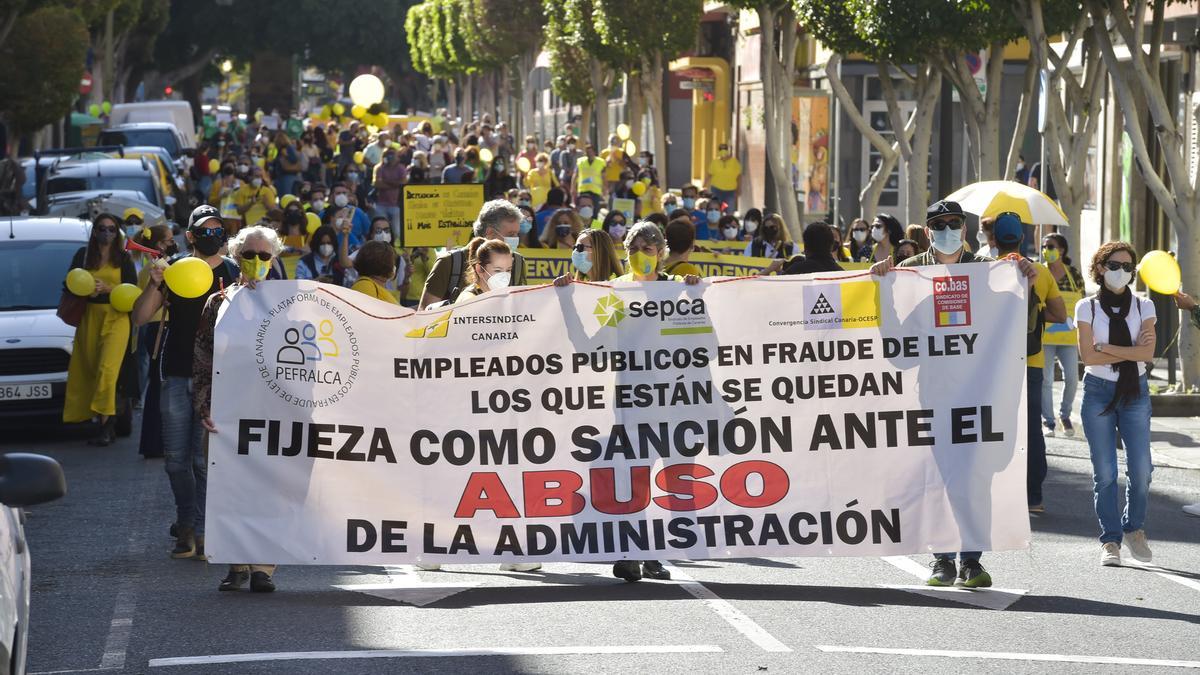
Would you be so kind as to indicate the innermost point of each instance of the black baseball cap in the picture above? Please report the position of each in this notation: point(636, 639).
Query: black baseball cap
point(204, 213)
point(944, 208)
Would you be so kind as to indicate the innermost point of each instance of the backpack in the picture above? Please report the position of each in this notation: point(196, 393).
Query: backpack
point(1034, 324)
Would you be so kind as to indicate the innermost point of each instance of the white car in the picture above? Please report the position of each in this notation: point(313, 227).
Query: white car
point(25, 480)
point(35, 345)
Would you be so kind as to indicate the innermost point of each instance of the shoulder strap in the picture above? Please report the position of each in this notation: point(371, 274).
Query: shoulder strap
point(456, 268)
point(674, 266)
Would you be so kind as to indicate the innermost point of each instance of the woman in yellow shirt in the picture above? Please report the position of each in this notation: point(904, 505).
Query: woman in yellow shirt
point(375, 263)
point(539, 180)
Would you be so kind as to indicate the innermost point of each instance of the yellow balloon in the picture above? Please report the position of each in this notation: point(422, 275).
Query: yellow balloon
point(214, 165)
point(189, 277)
point(623, 132)
point(485, 155)
point(339, 109)
point(326, 112)
point(639, 189)
point(357, 112)
point(314, 221)
point(123, 297)
point(358, 157)
point(381, 120)
point(1160, 272)
point(630, 148)
point(81, 282)
point(523, 164)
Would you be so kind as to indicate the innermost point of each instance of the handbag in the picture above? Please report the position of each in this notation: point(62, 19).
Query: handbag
point(71, 308)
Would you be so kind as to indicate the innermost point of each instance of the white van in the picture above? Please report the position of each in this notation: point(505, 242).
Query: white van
point(178, 113)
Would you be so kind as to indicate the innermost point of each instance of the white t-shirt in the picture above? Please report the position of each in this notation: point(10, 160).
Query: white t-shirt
point(1144, 309)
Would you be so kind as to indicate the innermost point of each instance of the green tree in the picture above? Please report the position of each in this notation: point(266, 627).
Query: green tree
point(40, 66)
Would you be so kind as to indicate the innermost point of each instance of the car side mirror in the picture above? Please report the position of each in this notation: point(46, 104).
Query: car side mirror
point(27, 479)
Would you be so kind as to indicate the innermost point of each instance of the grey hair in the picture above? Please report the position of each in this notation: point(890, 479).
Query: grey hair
point(649, 232)
point(493, 213)
point(257, 231)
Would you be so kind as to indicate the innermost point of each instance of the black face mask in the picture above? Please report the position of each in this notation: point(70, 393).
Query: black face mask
point(769, 232)
point(172, 250)
point(227, 171)
point(207, 246)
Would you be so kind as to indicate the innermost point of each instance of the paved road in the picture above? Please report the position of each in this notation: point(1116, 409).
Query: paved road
point(107, 598)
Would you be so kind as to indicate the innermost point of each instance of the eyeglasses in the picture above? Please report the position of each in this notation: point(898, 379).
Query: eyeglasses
point(216, 232)
point(952, 223)
point(1114, 265)
point(251, 255)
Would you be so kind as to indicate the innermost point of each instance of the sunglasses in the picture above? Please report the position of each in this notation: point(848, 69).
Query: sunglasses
point(1114, 265)
point(582, 247)
point(251, 255)
point(952, 223)
point(215, 232)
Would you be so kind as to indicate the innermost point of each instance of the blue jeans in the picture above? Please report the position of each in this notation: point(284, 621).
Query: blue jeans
point(1035, 473)
point(727, 197)
point(287, 183)
point(1068, 356)
point(963, 556)
point(183, 446)
point(1132, 421)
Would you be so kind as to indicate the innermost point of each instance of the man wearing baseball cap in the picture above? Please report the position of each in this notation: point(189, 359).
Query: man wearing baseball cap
point(1045, 304)
point(945, 223)
point(182, 433)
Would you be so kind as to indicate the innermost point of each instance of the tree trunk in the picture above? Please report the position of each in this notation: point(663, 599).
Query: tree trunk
point(600, 84)
point(654, 101)
point(638, 96)
point(6, 24)
point(468, 102)
point(778, 67)
point(1029, 91)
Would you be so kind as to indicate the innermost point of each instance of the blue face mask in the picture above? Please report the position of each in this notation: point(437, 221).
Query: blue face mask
point(580, 260)
point(714, 216)
point(688, 202)
point(526, 225)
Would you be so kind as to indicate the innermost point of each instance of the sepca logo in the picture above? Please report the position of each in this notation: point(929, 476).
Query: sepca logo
point(610, 310)
point(665, 309)
point(436, 329)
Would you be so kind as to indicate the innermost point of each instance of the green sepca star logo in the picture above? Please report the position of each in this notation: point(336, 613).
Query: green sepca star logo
point(609, 310)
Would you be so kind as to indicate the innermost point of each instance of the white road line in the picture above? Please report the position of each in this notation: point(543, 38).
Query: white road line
point(434, 653)
point(732, 615)
point(988, 598)
point(1190, 583)
point(72, 670)
point(121, 626)
point(1013, 656)
point(908, 565)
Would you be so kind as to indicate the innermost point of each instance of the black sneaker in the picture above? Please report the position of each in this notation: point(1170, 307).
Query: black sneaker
point(185, 544)
point(972, 575)
point(653, 569)
point(174, 530)
point(944, 572)
point(199, 553)
point(234, 580)
point(260, 582)
point(629, 570)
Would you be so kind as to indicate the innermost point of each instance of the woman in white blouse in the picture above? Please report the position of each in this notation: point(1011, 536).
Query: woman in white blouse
point(1116, 339)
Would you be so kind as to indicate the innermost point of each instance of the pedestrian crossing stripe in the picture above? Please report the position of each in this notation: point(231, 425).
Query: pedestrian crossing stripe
point(436, 329)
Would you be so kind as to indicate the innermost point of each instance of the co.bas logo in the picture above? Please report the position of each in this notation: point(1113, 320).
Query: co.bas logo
point(311, 362)
point(681, 316)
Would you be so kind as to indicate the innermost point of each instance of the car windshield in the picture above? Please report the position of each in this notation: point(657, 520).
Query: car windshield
point(32, 273)
point(143, 184)
point(159, 138)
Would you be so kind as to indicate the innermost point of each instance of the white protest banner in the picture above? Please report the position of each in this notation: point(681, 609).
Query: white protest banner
point(784, 416)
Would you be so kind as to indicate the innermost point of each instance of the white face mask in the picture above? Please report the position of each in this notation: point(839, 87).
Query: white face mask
point(326, 250)
point(859, 235)
point(585, 213)
point(730, 232)
point(341, 200)
point(383, 235)
point(499, 280)
point(981, 237)
point(1117, 279)
point(877, 233)
point(318, 205)
point(751, 226)
point(256, 182)
point(947, 241)
point(243, 168)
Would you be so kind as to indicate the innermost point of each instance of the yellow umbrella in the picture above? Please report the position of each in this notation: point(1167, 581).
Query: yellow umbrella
point(992, 197)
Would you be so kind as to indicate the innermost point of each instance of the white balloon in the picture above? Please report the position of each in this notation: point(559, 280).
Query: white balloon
point(366, 90)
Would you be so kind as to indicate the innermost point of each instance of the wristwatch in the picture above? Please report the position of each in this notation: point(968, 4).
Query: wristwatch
point(1099, 347)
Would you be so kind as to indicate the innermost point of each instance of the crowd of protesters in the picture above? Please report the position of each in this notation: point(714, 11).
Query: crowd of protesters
point(326, 206)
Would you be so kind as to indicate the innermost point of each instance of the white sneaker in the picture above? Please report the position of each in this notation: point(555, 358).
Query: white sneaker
point(1110, 554)
point(1138, 548)
point(430, 567)
point(1068, 429)
point(520, 567)
point(1192, 509)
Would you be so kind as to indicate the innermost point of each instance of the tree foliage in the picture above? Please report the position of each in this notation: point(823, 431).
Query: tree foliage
point(42, 60)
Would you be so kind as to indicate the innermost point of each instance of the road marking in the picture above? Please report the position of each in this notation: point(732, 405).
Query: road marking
point(405, 585)
point(121, 626)
point(732, 615)
point(434, 653)
point(1013, 656)
point(73, 670)
point(998, 599)
point(1190, 583)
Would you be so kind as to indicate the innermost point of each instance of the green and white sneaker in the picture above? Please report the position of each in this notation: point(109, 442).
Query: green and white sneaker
point(972, 575)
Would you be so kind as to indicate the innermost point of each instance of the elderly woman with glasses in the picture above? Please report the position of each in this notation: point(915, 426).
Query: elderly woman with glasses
point(253, 248)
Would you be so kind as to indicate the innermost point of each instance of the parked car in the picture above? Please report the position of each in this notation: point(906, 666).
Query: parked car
point(175, 113)
point(161, 134)
point(35, 345)
point(25, 480)
point(76, 175)
point(87, 204)
point(174, 182)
